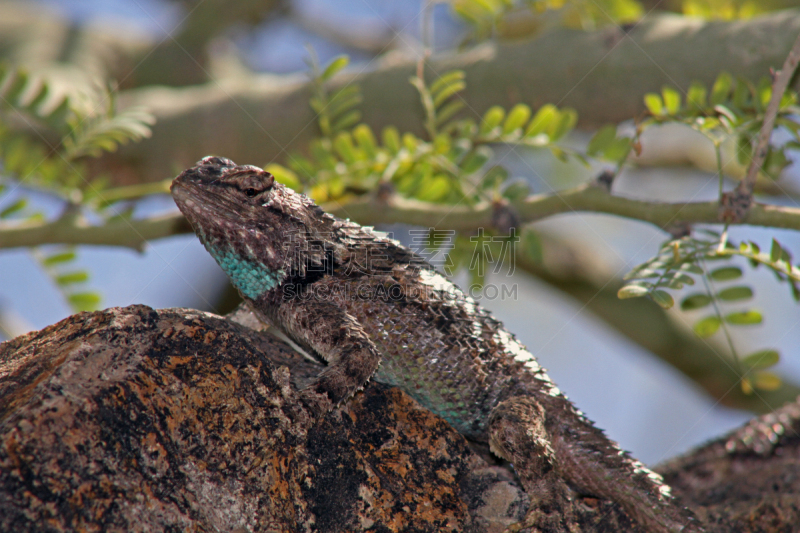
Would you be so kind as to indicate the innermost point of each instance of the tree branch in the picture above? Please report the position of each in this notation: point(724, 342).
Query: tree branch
point(366, 211)
point(75, 230)
point(602, 74)
point(742, 197)
point(588, 197)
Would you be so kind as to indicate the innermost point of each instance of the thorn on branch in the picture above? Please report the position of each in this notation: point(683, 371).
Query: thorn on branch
point(71, 213)
point(678, 231)
point(605, 179)
point(504, 218)
point(743, 196)
point(384, 192)
point(734, 206)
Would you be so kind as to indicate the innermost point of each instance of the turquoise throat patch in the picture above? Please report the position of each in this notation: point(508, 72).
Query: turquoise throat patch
point(250, 277)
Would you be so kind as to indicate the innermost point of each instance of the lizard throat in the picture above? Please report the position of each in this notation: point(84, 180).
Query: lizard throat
point(251, 277)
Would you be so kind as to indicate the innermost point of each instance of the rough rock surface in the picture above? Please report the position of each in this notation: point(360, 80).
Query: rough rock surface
point(132, 419)
point(140, 420)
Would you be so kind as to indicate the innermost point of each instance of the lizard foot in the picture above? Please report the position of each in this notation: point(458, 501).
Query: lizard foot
point(316, 402)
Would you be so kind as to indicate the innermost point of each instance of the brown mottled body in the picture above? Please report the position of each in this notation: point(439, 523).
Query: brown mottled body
point(357, 300)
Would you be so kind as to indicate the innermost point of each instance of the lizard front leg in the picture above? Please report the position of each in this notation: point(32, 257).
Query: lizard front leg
point(338, 339)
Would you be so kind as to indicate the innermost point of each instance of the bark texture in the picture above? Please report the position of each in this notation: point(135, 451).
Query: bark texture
point(132, 419)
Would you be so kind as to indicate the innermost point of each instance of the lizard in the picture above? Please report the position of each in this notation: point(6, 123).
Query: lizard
point(368, 307)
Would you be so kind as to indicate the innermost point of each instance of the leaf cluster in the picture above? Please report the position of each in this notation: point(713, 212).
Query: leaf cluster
point(66, 131)
point(71, 282)
point(452, 165)
point(680, 261)
point(723, 9)
point(336, 111)
point(488, 16)
point(731, 108)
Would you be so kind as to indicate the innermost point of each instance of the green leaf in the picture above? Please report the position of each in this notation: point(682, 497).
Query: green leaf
point(517, 117)
point(349, 119)
point(410, 142)
point(344, 100)
point(391, 139)
point(532, 246)
point(602, 140)
point(744, 318)
point(84, 301)
point(741, 95)
point(447, 92)
point(566, 121)
point(707, 327)
point(335, 66)
point(632, 291)
point(775, 252)
point(735, 293)
point(343, 143)
point(696, 97)
point(761, 359)
point(72, 277)
point(721, 89)
point(691, 267)
point(517, 190)
point(707, 123)
point(726, 273)
point(366, 140)
point(316, 104)
point(672, 100)
point(727, 113)
point(15, 207)
point(682, 278)
point(446, 79)
point(767, 381)
point(474, 161)
point(12, 91)
point(284, 175)
point(663, 298)
point(654, 104)
point(447, 112)
point(435, 189)
point(61, 257)
point(743, 150)
point(541, 120)
point(493, 117)
point(494, 177)
point(695, 301)
point(41, 96)
point(58, 116)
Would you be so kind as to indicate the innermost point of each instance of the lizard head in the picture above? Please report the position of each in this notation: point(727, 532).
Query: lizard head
point(259, 231)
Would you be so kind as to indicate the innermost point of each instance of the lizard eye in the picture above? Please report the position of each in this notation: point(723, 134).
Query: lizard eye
point(250, 192)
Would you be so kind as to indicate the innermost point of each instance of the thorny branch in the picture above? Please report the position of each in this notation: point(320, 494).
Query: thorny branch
point(736, 205)
point(369, 211)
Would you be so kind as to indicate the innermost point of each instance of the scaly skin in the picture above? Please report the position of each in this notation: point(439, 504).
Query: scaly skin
point(368, 306)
